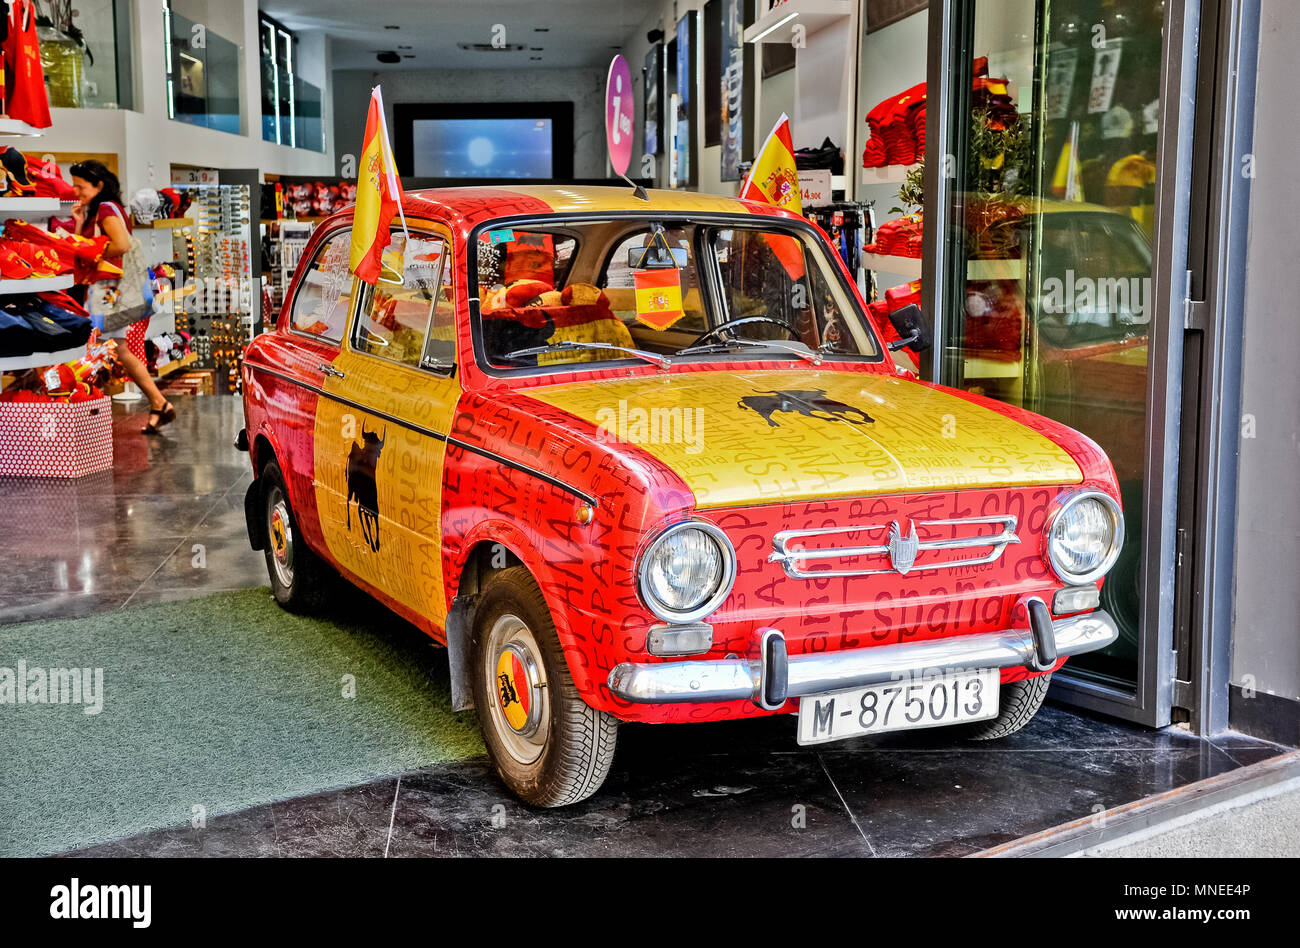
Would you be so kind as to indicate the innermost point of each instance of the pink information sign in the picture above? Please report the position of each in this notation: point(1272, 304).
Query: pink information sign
point(620, 109)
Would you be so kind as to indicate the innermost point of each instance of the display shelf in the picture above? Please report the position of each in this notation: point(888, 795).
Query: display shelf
point(909, 267)
point(25, 208)
point(13, 128)
point(168, 223)
point(11, 287)
point(775, 25)
point(889, 174)
point(189, 359)
point(164, 297)
point(38, 360)
point(1012, 269)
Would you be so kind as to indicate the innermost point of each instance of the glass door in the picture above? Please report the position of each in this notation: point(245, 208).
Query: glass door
point(1047, 263)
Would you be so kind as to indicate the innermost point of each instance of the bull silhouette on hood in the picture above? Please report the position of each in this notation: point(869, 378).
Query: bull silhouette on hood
point(363, 459)
point(814, 403)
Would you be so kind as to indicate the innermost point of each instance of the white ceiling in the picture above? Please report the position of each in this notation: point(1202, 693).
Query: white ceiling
point(579, 32)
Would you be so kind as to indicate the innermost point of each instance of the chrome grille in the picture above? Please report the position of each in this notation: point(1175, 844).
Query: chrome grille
point(901, 547)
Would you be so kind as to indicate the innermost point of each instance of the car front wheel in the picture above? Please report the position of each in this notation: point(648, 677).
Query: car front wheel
point(549, 747)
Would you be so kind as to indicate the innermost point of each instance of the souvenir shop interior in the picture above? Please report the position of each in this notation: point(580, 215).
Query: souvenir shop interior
point(1017, 170)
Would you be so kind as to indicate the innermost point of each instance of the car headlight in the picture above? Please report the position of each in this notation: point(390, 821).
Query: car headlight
point(687, 571)
point(1084, 535)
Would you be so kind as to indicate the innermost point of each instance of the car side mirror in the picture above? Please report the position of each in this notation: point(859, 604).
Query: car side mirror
point(912, 329)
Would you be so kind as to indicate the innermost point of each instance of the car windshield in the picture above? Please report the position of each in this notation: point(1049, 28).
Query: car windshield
point(569, 292)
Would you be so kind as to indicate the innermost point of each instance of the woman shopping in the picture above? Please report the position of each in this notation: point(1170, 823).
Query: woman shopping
point(99, 212)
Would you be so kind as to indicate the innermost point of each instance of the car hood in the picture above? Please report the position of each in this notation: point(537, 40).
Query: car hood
point(741, 437)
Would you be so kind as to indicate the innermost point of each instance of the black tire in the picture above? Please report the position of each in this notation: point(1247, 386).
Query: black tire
point(1020, 701)
point(299, 578)
point(558, 750)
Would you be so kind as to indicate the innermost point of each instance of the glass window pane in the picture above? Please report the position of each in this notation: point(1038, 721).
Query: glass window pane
point(403, 320)
point(584, 288)
point(1055, 200)
point(324, 296)
point(85, 53)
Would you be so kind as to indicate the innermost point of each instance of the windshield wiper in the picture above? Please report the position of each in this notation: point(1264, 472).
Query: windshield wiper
point(568, 345)
point(803, 353)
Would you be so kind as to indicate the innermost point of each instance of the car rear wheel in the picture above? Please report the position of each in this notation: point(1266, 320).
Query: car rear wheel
point(549, 747)
point(1020, 702)
point(298, 577)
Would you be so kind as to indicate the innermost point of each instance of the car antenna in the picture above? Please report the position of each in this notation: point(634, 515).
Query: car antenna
point(638, 192)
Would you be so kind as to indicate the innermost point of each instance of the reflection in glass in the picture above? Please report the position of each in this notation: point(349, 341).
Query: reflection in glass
point(1052, 307)
point(202, 76)
point(85, 53)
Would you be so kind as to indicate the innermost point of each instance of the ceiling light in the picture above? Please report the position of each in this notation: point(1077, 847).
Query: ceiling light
point(489, 48)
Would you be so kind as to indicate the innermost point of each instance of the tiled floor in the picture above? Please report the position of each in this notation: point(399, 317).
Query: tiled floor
point(167, 523)
point(738, 789)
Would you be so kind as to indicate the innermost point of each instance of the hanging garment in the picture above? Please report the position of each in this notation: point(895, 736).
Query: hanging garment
point(25, 99)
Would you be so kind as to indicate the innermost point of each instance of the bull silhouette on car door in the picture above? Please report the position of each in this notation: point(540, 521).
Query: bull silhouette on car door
point(363, 459)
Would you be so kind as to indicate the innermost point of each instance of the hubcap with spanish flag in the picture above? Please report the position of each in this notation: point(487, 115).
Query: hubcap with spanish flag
point(515, 686)
point(520, 714)
point(281, 537)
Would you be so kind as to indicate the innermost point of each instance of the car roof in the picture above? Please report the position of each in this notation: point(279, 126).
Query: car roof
point(473, 205)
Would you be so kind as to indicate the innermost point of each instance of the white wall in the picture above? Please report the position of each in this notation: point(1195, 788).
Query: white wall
point(584, 87)
point(147, 142)
point(1265, 646)
point(813, 94)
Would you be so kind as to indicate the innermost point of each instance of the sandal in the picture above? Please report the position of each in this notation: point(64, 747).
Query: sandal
point(165, 414)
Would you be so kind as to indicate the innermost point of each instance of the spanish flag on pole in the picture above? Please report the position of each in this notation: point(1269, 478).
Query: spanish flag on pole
point(379, 196)
point(774, 178)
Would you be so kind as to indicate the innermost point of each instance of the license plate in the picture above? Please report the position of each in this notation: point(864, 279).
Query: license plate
point(932, 700)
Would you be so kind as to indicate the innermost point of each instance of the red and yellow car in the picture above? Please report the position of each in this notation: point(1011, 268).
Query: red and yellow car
point(646, 460)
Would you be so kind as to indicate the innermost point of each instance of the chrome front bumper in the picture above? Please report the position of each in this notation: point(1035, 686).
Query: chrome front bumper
point(771, 678)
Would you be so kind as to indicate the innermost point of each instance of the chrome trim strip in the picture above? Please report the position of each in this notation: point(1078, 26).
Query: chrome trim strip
point(419, 429)
point(790, 558)
point(737, 679)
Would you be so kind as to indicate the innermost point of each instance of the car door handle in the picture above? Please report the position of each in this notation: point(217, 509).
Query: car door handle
point(330, 370)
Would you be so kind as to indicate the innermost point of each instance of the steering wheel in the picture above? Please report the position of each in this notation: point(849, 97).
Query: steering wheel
point(742, 321)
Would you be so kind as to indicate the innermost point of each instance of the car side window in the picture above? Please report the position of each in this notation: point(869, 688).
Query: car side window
point(324, 297)
point(409, 315)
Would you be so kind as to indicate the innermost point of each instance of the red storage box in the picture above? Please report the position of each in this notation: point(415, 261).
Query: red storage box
point(56, 439)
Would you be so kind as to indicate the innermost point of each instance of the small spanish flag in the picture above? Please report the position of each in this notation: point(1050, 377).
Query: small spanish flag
point(658, 297)
point(379, 196)
point(774, 178)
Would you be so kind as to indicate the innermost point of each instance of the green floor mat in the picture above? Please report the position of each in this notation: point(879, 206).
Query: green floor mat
point(221, 703)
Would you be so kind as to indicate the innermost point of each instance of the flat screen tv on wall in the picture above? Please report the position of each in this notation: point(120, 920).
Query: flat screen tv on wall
point(490, 141)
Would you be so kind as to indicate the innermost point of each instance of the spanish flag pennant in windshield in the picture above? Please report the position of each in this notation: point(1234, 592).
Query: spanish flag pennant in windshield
point(379, 197)
point(774, 178)
point(658, 297)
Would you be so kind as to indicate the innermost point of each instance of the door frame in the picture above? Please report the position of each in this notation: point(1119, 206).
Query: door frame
point(951, 31)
